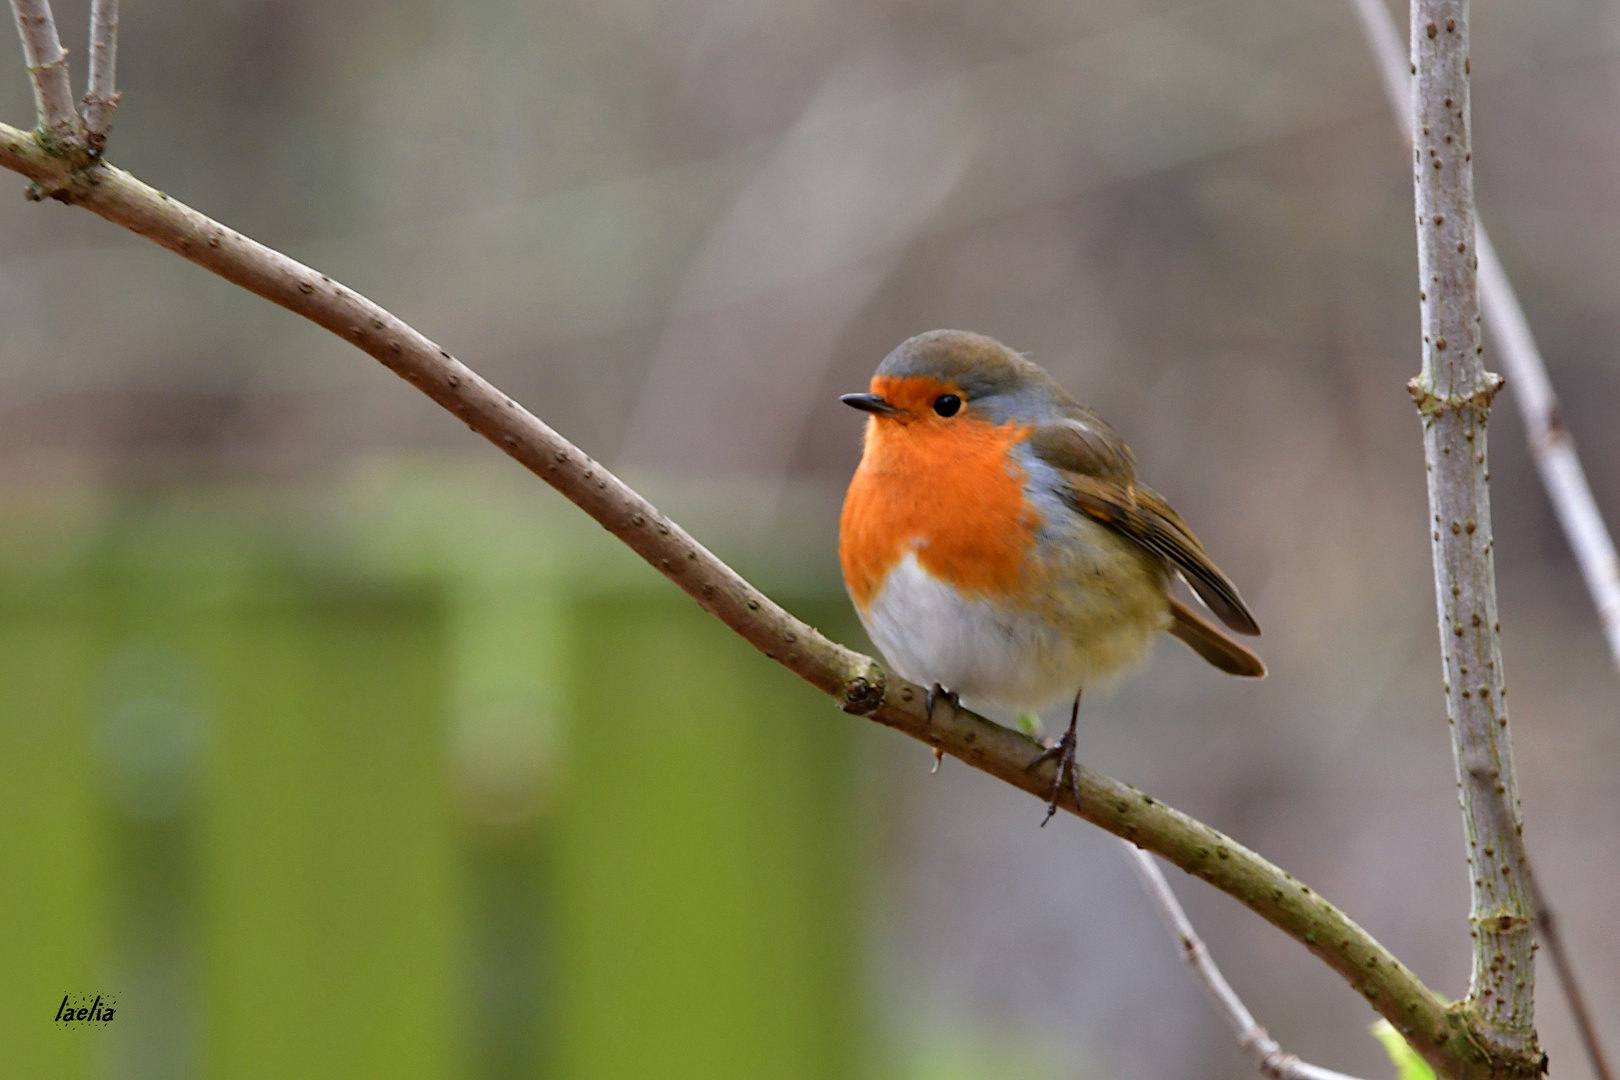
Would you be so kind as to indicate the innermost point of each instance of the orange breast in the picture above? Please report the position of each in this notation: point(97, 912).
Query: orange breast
point(946, 488)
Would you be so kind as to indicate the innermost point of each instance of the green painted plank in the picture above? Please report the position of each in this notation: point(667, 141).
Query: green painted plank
point(52, 924)
point(328, 896)
point(505, 628)
point(705, 849)
point(150, 723)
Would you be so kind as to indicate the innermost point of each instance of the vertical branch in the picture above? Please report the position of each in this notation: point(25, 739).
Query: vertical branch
point(1556, 459)
point(1551, 446)
point(101, 96)
point(1453, 393)
point(47, 67)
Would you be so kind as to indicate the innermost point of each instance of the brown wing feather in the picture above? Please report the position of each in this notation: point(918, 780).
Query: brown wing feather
point(1101, 485)
point(1207, 640)
point(1085, 445)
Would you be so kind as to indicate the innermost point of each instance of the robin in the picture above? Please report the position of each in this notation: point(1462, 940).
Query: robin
point(998, 546)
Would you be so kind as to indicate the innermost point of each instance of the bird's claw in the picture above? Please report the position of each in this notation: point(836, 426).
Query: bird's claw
point(1067, 768)
point(935, 693)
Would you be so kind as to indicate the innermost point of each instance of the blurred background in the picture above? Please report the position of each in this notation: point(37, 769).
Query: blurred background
point(333, 744)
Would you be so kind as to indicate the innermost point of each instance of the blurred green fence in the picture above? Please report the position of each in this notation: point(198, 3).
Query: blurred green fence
point(316, 817)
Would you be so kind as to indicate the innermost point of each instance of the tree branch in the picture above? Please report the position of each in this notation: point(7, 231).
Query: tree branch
point(101, 98)
point(1553, 450)
point(1270, 1058)
point(1442, 1033)
point(47, 67)
point(1551, 446)
point(1453, 394)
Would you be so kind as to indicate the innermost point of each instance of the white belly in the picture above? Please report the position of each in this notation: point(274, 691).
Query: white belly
point(1030, 657)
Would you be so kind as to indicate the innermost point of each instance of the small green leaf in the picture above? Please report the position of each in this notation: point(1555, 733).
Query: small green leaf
point(1030, 724)
point(1407, 1063)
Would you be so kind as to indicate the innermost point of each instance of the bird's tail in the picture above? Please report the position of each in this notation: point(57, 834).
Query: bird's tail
point(1209, 641)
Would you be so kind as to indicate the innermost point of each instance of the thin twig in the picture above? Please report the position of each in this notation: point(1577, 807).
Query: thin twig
point(1390, 55)
point(1453, 392)
point(1548, 932)
point(1271, 1059)
point(101, 97)
point(856, 682)
point(1551, 445)
point(47, 67)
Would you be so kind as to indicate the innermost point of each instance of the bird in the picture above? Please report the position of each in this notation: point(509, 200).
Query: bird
point(998, 547)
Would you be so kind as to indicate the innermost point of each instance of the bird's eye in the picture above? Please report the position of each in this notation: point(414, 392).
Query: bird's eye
point(947, 404)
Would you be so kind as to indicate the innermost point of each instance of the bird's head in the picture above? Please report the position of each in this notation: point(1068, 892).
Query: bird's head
point(947, 377)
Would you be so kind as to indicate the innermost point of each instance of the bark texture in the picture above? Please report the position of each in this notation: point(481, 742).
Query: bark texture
point(47, 67)
point(102, 96)
point(1453, 394)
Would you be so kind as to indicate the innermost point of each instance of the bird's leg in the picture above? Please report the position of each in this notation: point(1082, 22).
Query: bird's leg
point(1067, 767)
point(936, 692)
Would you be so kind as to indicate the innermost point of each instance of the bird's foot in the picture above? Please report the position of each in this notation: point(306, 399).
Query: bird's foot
point(935, 693)
point(938, 692)
point(1067, 769)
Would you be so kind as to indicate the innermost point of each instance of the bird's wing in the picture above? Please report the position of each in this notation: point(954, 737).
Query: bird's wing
point(1082, 443)
point(1100, 483)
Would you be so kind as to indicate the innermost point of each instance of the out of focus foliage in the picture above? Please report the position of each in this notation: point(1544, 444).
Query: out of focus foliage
point(1408, 1066)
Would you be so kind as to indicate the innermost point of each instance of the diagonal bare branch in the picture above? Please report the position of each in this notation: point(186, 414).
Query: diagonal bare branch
point(101, 97)
point(47, 67)
point(1547, 930)
point(1551, 445)
point(1269, 1057)
point(1444, 1034)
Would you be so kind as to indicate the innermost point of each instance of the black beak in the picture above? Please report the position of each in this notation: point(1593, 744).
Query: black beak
point(871, 403)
